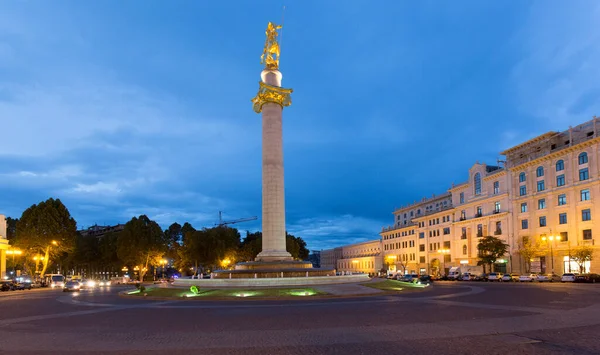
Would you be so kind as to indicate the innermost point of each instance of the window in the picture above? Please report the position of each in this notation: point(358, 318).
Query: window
point(542, 221)
point(583, 158)
point(562, 218)
point(405, 215)
point(584, 174)
point(498, 228)
point(562, 199)
point(539, 171)
point(478, 213)
point(586, 215)
point(447, 258)
point(522, 177)
point(462, 197)
point(464, 250)
point(464, 233)
point(540, 186)
point(524, 207)
point(585, 195)
point(411, 213)
point(524, 224)
point(522, 190)
point(497, 207)
point(477, 183)
point(587, 234)
point(447, 245)
point(560, 180)
point(421, 235)
point(446, 230)
point(496, 187)
point(541, 204)
point(463, 215)
point(421, 247)
point(480, 230)
point(422, 260)
point(560, 165)
point(564, 236)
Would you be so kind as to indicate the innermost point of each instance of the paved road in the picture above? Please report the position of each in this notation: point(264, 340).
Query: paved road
point(465, 318)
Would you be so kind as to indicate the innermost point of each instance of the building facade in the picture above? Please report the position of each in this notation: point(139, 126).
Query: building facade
point(3, 246)
point(543, 202)
point(365, 257)
point(330, 257)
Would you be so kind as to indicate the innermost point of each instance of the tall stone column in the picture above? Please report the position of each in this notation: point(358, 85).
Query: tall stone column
point(270, 101)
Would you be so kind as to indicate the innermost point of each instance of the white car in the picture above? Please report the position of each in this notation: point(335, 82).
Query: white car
point(494, 276)
point(528, 278)
point(568, 278)
point(510, 277)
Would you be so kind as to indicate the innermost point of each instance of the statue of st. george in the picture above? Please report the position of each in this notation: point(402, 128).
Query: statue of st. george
point(270, 56)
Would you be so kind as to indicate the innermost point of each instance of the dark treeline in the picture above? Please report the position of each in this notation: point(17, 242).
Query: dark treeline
point(48, 238)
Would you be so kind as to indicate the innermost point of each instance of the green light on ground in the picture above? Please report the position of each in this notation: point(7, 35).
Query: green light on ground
point(133, 292)
point(245, 294)
point(190, 295)
point(301, 293)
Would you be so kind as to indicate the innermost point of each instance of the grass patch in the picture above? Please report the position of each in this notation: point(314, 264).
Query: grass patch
point(231, 293)
point(393, 285)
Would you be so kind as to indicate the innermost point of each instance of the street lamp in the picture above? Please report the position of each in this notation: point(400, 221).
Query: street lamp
point(225, 262)
point(551, 239)
point(163, 262)
point(14, 252)
point(444, 252)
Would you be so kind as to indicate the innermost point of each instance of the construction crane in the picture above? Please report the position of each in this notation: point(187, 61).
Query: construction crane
point(223, 223)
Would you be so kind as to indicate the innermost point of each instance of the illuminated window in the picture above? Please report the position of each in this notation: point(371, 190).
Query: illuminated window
point(477, 183)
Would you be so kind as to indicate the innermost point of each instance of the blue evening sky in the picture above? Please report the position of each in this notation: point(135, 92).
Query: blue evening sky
point(121, 108)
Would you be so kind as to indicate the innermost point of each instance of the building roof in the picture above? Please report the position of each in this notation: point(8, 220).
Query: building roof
point(529, 142)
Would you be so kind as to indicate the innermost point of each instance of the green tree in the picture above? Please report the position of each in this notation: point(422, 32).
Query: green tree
point(46, 229)
point(174, 235)
point(529, 250)
point(491, 249)
point(11, 227)
point(252, 245)
point(141, 244)
point(581, 255)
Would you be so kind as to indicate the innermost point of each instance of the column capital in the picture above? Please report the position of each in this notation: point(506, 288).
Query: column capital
point(268, 93)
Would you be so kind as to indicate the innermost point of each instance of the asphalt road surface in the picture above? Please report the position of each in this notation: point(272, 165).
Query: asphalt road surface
point(450, 318)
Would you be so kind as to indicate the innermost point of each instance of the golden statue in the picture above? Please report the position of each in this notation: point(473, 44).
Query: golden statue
point(270, 56)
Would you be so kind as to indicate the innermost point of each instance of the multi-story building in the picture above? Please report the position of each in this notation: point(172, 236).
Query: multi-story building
point(363, 257)
point(3, 246)
point(481, 208)
point(330, 257)
point(556, 197)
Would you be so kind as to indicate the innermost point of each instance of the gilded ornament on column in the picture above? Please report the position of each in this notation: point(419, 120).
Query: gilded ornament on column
point(269, 93)
point(270, 56)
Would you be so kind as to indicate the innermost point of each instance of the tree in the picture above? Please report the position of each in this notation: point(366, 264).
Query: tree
point(581, 254)
point(174, 235)
point(11, 227)
point(46, 229)
point(529, 250)
point(141, 244)
point(491, 249)
point(296, 246)
point(252, 245)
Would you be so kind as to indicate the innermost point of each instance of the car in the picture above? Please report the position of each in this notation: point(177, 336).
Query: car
point(548, 278)
point(567, 277)
point(87, 284)
point(103, 283)
point(22, 285)
point(467, 276)
point(71, 286)
point(587, 278)
point(7, 285)
point(425, 279)
point(481, 277)
point(494, 276)
point(510, 277)
point(528, 278)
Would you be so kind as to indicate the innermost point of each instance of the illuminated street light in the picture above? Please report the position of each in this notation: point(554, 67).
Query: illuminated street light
point(552, 239)
point(225, 262)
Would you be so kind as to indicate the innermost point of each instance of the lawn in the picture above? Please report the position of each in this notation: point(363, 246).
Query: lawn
point(393, 285)
point(229, 293)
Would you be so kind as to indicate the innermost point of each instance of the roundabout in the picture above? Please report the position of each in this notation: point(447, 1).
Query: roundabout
point(468, 318)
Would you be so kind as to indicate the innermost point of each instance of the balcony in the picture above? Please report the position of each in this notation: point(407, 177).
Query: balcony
point(498, 232)
point(462, 219)
point(463, 236)
point(587, 242)
point(479, 234)
point(477, 215)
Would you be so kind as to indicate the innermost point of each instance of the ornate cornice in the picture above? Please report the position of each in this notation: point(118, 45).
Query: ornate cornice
point(274, 94)
point(555, 155)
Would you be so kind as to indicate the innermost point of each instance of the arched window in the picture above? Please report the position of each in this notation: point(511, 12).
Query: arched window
point(540, 171)
point(583, 158)
point(522, 177)
point(560, 165)
point(477, 183)
point(464, 250)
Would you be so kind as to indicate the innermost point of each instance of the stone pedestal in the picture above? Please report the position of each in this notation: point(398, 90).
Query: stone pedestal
point(273, 199)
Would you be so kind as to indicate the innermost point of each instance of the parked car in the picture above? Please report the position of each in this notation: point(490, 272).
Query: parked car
point(568, 277)
point(548, 277)
point(510, 277)
point(22, 285)
point(425, 279)
point(467, 276)
point(587, 278)
point(528, 278)
point(494, 276)
point(71, 286)
point(7, 285)
point(481, 277)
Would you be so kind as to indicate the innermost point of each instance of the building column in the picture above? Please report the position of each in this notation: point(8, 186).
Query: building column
point(2, 263)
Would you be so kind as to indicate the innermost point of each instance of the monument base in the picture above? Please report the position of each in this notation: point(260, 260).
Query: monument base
point(274, 256)
point(276, 269)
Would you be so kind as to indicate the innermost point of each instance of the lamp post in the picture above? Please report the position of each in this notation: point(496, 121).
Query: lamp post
point(552, 239)
point(14, 252)
point(444, 252)
point(163, 262)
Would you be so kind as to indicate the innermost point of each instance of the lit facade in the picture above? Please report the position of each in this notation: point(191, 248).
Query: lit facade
point(363, 257)
point(3, 246)
point(556, 197)
point(330, 257)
